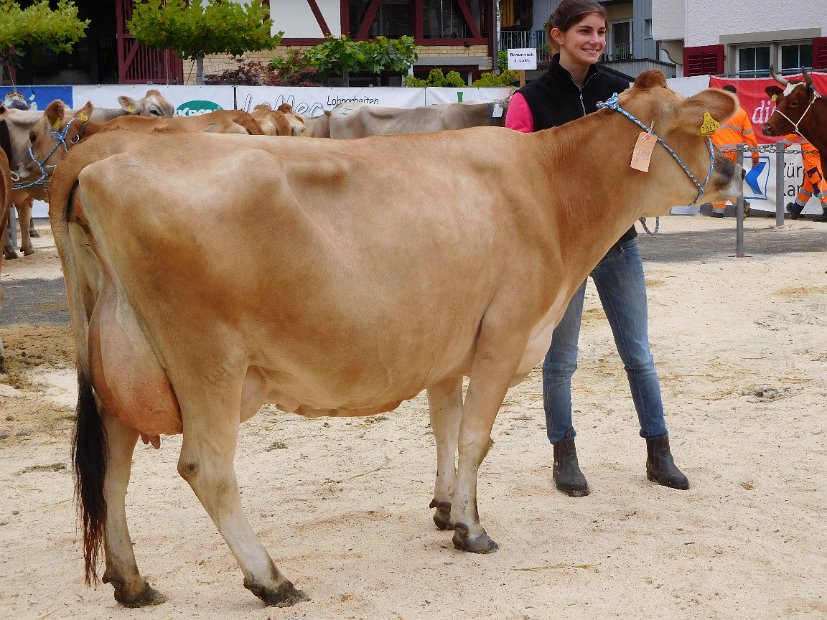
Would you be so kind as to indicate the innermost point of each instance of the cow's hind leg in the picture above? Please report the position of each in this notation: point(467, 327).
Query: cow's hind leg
point(206, 463)
point(24, 216)
point(445, 407)
point(131, 590)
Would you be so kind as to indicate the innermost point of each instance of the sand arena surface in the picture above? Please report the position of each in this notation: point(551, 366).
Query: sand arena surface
point(341, 504)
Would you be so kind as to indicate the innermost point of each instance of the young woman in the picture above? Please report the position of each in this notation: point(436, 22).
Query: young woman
point(571, 89)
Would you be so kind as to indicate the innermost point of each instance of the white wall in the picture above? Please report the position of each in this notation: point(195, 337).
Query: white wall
point(703, 22)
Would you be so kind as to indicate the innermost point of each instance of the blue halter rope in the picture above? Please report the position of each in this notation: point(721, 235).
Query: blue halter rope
point(613, 104)
point(60, 140)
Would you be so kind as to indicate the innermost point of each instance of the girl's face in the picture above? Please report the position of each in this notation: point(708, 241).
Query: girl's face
point(583, 43)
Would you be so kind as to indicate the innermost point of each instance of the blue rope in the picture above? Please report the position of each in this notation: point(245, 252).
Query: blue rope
point(613, 104)
point(60, 139)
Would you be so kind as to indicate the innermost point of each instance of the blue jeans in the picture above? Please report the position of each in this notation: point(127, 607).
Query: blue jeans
point(622, 288)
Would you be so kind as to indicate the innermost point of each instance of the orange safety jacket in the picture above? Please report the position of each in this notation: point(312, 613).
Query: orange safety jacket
point(737, 130)
point(809, 155)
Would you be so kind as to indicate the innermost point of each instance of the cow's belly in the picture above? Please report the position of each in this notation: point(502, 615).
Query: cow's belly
point(540, 338)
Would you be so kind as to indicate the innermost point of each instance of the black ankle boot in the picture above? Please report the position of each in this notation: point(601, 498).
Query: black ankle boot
point(660, 467)
point(567, 475)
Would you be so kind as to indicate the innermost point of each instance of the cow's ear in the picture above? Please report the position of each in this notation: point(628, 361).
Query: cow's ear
point(128, 104)
point(717, 103)
point(773, 92)
point(2, 110)
point(85, 113)
point(54, 113)
point(286, 108)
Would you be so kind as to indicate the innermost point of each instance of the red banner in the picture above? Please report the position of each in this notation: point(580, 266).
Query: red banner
point(757, 103)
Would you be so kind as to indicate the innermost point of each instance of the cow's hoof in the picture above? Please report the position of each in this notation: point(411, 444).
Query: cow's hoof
point(9, 255)
point(442, 516)
point(34, 234)
point(285, 595)
point(27, 251)
point(148, 596)
point(479, 544)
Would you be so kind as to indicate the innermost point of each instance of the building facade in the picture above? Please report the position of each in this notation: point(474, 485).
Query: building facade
point(705, 37)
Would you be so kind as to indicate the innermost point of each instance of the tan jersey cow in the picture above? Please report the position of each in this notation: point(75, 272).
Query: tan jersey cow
point(72, 126)
point(22, 122)
point(357, 289)
point(278, 122)
point(359, 120)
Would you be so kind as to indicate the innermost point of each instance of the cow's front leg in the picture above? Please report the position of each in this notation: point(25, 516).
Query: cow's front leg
point(206, 463)
point(494, 364)
point(445, 408)
point(9, 253)
point(131, 589)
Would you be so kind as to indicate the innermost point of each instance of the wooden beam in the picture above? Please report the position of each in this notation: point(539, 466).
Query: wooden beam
point(319, 17)
point(370, 15)
point(469, 19)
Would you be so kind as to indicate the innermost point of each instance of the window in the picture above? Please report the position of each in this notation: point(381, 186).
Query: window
point(796, 57)
point(754, 62)
point(620, 45)
point(392, 20)
point(647, 29)
point(444, 19)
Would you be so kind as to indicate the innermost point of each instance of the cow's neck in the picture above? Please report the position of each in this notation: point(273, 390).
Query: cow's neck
point(597, 196)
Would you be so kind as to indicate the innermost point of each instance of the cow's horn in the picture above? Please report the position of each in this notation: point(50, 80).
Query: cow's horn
point(807, 79)
point(777, 78)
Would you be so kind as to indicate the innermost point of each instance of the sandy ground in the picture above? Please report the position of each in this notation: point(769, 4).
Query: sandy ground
point(342, 504)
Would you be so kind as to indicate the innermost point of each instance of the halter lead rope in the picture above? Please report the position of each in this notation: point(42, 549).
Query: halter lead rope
point(613, 104)
point(60, 140)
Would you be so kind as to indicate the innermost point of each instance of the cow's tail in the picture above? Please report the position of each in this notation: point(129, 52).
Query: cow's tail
point(89, 445)
point(89, 455)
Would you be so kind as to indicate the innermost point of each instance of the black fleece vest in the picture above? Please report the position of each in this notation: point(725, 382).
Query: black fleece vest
point(555, 99)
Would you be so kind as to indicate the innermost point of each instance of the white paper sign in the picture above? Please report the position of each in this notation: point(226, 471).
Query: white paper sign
point(522, 58)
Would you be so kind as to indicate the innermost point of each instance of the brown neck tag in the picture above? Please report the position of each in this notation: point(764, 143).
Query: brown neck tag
point(643, 151)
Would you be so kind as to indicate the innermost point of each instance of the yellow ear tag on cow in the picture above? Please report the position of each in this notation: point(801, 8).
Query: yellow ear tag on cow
point(774, 97)
point(83, 117)
point(56, 124)
point(131, 108)
point(709, 125)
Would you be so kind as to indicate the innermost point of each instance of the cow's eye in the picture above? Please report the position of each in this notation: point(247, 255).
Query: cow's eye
point(155, 113)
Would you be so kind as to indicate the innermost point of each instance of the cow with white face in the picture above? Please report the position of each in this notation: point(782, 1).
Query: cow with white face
point(799, 108)
point(361, 289)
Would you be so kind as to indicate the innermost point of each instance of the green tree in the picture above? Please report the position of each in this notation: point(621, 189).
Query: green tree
point(196, 29)
point(37, 24)
point(341, 56)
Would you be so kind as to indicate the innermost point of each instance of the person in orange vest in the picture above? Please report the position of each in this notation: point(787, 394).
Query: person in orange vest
point(813, 182)
point(738, 130)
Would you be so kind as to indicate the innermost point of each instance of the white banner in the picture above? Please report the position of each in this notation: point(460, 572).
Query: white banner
point(314, 101)
point(465, 95)
point(188, 100)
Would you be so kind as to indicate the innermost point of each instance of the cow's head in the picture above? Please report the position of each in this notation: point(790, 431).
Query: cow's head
point(56, 132)
point(684, 124)
point(152, 104)
point(279, 122)
point(791, 104)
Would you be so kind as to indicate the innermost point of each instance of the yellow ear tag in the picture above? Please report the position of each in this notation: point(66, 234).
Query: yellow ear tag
point(56, 124)
point(709, 125)
point(131, 108)
point(83, 117)
point(774, 97)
